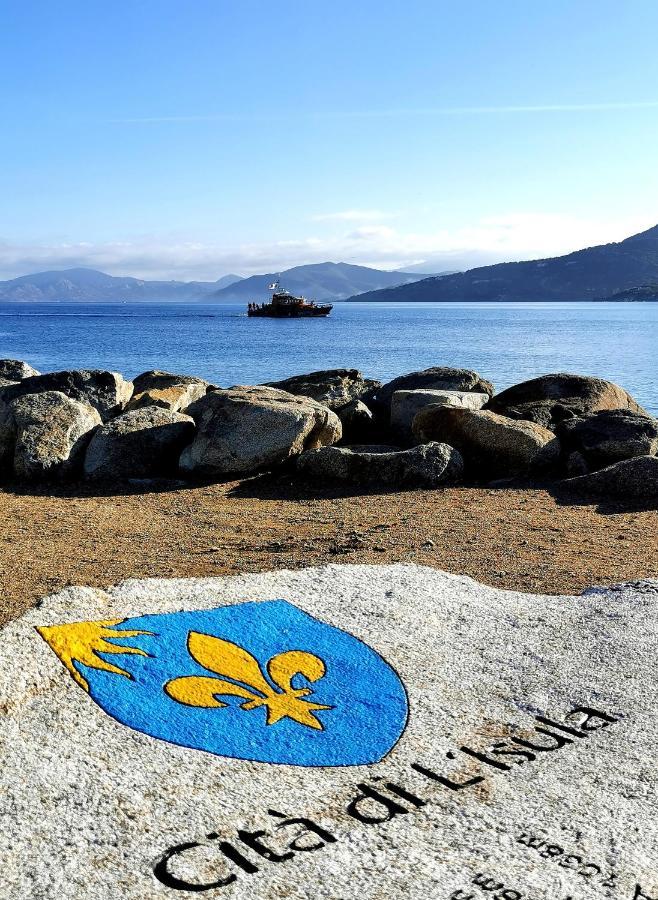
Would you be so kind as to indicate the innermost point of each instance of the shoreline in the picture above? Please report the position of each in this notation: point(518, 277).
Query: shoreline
point(169, 476)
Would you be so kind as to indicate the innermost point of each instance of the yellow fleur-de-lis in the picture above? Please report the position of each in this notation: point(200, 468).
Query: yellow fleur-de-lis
point(247, 680)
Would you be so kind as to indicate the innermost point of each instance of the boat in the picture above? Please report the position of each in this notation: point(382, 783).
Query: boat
point(285, 305)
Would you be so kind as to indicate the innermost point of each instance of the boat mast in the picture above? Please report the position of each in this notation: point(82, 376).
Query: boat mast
point(274, 287)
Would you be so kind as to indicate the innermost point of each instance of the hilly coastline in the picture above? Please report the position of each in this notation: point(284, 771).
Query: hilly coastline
point(624, 271)
point(321, 281)
point(597, 273)
point(91, 285)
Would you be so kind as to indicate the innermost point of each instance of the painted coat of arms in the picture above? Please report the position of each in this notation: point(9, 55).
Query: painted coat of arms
point(262, 681)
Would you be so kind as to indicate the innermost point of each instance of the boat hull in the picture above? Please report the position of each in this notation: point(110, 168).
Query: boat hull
point(281, 312)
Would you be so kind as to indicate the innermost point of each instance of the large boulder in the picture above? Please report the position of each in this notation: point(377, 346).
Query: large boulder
point(630, 479)
point(406, 404)
point(493, 446)
point(51, 434)
point(142, 443)
point(608, 436)
point(437, 378)
point(245, 429)
point(425, 466)
point(107, 392)
point(334, 388)
point(550, 399)
point(156, 380)
point(15, 370)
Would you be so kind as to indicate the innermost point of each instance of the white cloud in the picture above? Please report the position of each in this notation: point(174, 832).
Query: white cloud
point(352, 215)
point(401, 112)
point(506, 237)
point(373, 233)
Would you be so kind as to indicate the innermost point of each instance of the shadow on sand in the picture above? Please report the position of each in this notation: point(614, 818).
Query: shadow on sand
point(286, 484)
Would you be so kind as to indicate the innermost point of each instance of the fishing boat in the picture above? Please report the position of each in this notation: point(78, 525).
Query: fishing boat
point(284, 305)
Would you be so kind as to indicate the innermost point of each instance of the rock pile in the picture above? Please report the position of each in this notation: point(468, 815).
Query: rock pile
point(435, 426)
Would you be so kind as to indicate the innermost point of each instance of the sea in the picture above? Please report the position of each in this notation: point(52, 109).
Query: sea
point(505, 342)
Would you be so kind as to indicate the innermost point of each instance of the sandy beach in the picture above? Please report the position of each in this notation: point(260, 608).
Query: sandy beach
point(523, 538)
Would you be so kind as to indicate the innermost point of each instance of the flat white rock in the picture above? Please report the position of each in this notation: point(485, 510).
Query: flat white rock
point(91, 806)
point(406, 404)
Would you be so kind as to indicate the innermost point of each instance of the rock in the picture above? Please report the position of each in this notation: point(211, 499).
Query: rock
point(155, 380)
point(245, 429)
point(107, 392)
point(629, 479)
point(142, 443)
point(106, 796)
point(493, 446)
point(16, 370)
point(6, 382)
point(52, 433)
point(169, 391)
point(576, 464)
point(374, 448)
point(426, 466)
point(405, 405)
point(175, 398)
point(550, 399)
point(605, 437)
point(357, 421)
point(438, 378)
point(7, 440)
point(334, 388)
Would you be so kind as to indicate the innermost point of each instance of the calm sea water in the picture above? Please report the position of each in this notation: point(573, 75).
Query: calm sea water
point(506, 342)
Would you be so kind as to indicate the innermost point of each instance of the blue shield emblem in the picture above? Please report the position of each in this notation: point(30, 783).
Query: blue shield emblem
point(260, 681)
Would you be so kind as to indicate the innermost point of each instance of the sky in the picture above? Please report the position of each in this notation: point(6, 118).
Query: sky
point(187, 140)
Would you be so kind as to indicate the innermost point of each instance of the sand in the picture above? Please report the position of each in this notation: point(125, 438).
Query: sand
point(522, 538)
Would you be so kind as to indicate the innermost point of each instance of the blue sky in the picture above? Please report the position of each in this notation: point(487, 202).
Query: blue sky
point(190, 139)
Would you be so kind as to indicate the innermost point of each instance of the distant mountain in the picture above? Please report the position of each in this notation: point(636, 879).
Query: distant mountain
point(222, 282)
point(321, 281)
point(592, 274)
point(88, 284)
